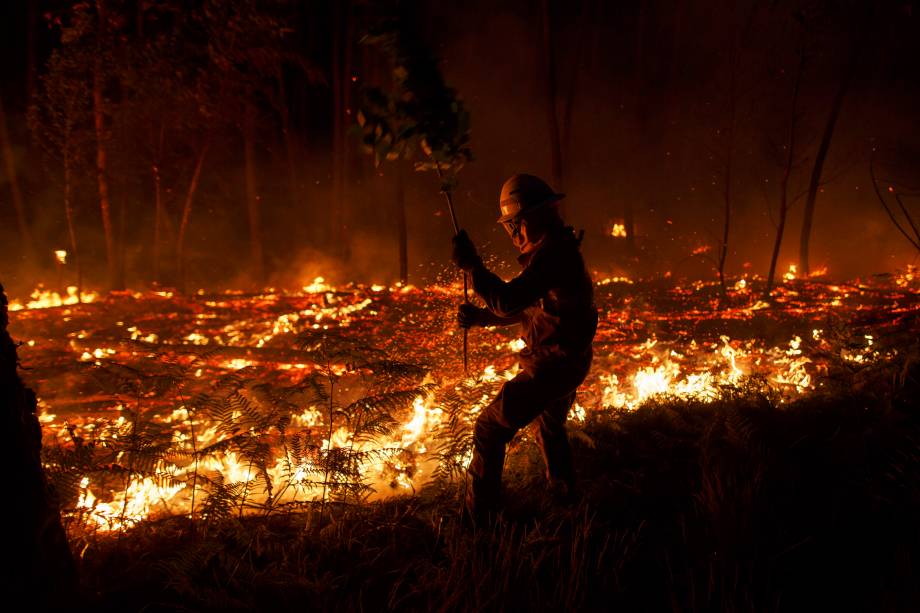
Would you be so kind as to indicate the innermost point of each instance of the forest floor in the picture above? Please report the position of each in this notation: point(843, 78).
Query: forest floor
point(738, 504)
point(732, 454)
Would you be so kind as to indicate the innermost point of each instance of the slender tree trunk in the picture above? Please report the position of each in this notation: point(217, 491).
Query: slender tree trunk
point(69, 216)
point(549, 67)
point(9, 162)
point(345, 115)
point(641, 136)
point(101, 154)
point(338, 217)
point(158, 206)
point(787, 173)
point(31, 22)
point(290, 144)
point(157, 220)
point(186, 215)
point(729, 161)
point(727, 216)
point(821, 156)
point(401, 221)
point(121, 244)
point(587, 13)
point(253, 204)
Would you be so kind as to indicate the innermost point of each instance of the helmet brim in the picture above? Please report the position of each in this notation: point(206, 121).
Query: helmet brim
point(524, 211)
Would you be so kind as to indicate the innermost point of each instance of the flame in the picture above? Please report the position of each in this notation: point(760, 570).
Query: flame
point(618, 230)
point(61, 256)
point(43, 299)
point(631, 366)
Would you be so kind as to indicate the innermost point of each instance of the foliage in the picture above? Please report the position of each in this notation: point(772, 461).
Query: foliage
point(361, 394)
point(738, 504)
point(420, 117)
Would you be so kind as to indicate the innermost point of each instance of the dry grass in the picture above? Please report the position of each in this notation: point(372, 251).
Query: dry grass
point(738, 505)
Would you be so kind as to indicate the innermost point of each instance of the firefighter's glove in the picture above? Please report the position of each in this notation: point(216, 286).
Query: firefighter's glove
point(464, 255)
point(469, 316)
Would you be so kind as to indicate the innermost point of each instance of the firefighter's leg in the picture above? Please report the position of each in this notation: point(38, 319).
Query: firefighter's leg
point(554, 442)
point(515, 406)
point(490, 436)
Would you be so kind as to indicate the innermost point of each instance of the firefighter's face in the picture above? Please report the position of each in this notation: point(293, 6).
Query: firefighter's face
point(517, 230)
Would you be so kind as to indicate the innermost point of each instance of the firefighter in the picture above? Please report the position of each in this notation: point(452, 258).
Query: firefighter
point(552, 300)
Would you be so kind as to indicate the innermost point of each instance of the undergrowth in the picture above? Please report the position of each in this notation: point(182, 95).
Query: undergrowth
point(744, 503)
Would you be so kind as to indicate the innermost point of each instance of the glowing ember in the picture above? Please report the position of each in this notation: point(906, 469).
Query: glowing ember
point(42, 299)
point(165, 358)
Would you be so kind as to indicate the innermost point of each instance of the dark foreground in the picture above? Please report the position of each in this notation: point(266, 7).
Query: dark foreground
point(742, 504)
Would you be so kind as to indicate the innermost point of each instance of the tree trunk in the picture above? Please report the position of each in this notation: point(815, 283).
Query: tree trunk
point(401, 231)
point(158, 206)
point(69, 216)
point(31, 22)
point(9, 161)
point(815, 181)
point(157, 220)
point(587, 10)
point(121, 244)
point(729, 161)
point(253, 206)
point(101, 156)
point(549, 67)
point(338, 217)
point(787, 173)
point(187, 213)
point(727, 216)
point(39, 567)
point(290, 144)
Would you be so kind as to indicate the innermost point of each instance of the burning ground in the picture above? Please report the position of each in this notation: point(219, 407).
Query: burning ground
point(157, 404)
point(233, 451)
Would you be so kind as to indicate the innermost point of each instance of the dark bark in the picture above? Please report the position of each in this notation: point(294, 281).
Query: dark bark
point(787, 173)
point(253, 206)
point(101, 153)
point(157, 220)
point(158, 211)
point(552, 114)
point(187, 213)
point(39, 566)
point(913, 240)
point(9, 162)
point(338, 215)
point(290, 143)
point(401, 231)
point(821, 156)
point(31, 27)
point(70, 217)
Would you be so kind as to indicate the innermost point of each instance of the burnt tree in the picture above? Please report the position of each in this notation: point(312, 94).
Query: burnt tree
point(843, 87)
point(790, 147)
point(9, 160)
point(39, 566)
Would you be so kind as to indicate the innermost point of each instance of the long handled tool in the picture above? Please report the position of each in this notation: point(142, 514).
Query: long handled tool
point(466, 290)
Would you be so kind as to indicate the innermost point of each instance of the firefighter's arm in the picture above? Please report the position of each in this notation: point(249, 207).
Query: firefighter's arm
point(508, 299)
point(469, 316)
point(503, 299)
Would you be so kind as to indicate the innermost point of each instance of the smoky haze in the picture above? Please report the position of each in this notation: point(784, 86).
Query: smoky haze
point(644, 92)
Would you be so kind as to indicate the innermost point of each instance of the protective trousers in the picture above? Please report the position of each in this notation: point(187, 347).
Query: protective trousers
point(544, 397)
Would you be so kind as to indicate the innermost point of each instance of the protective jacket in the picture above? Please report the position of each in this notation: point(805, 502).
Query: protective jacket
point(553, 298)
